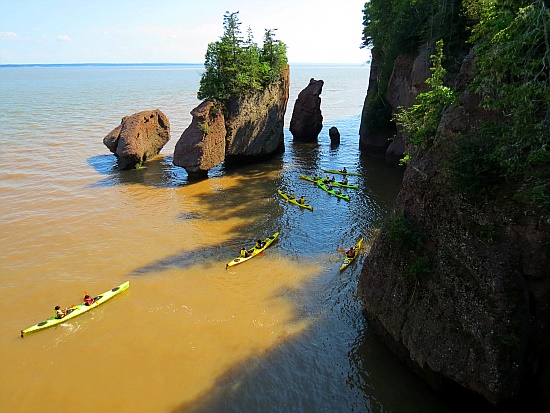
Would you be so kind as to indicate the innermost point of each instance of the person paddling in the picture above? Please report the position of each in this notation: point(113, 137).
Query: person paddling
point(89, 300)
point(59, 313)
point(259, 244)
point(351, 252)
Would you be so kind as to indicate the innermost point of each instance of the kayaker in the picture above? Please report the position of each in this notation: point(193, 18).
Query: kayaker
point(59, 313)
point(344, 170)
point(333, 179)
point(244, 252)
point(88, 300)
point(301, 200)
point(351, 252)
point(329, 187)
point(339, 192)
point(292, 196)
point(345, 181)
point(259, 244)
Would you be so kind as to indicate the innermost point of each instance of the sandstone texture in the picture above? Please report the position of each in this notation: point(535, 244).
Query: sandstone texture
point(139, 137)
point(307, 120)
point(254, 123)
point(201, 146)
point(463, 294)
point(407, 80)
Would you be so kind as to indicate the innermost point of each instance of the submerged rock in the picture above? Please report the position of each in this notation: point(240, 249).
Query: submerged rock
point(139, 137)
point(307, 119)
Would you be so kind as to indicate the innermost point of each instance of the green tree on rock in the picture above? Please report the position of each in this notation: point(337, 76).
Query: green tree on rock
point(237, 67)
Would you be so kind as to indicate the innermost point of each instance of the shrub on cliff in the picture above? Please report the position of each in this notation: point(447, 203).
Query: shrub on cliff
point(513, 78)
point(236, 67)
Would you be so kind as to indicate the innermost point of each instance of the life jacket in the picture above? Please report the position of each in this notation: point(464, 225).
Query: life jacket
point(243, 253)
point(88, 301)
point(59, 313)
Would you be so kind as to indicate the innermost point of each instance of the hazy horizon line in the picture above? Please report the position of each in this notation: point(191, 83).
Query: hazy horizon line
point(159, 64)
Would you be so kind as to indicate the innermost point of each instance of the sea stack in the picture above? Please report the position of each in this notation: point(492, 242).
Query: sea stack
point(307, 120)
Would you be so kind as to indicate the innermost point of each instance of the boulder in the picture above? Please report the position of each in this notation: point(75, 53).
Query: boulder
point(139, 137)
point(307, 119)
point(202, 145)
point(254, 123)
point(395, 152)
point(334, 135)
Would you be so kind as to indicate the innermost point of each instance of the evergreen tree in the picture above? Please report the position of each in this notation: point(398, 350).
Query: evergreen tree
point(236, 67)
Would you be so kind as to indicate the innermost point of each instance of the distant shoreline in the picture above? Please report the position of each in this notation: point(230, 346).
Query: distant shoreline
point(159, 64)
point(98, 64)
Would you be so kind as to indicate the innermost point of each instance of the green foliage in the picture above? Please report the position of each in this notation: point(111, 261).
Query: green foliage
point(513, 78)
point(235, 66)
point(392, 27)
point(403, 233)
point(422, 119)
point(205, 129)
point(420, 268)
point(377, 113)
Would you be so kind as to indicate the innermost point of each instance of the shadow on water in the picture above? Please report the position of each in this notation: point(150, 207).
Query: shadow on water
point(246, 200)
point(335, 364)
point(157, 172)
point(329, 367)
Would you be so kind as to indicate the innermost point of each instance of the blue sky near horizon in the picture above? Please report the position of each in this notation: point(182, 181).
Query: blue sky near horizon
point(173, 31)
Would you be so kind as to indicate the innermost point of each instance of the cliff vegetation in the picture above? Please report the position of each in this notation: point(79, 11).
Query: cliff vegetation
point(457, 283)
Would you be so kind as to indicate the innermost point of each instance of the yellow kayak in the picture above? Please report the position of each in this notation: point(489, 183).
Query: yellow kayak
point(252, 251)
point(349, 260)
point(77, 309)
point(294, 201)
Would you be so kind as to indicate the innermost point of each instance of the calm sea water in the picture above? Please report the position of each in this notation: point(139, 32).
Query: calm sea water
point(280, 333)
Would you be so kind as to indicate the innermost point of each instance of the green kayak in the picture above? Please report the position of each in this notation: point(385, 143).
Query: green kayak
point(349, 260)
point(77, 309)
point(321, 185)
point(335, 183)
point(294, 200)
point(252, 251)
point(334, 171)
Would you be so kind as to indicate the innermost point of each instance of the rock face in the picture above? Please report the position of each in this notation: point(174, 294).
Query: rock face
point(459, 289)
point(334, 135)
point(254, 123)
point(139, 137)
point(244, 129)
point(307, 119)
point(202, 145)
point(408, 79)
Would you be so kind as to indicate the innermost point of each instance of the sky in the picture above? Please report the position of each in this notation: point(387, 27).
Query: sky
point(174, 31)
